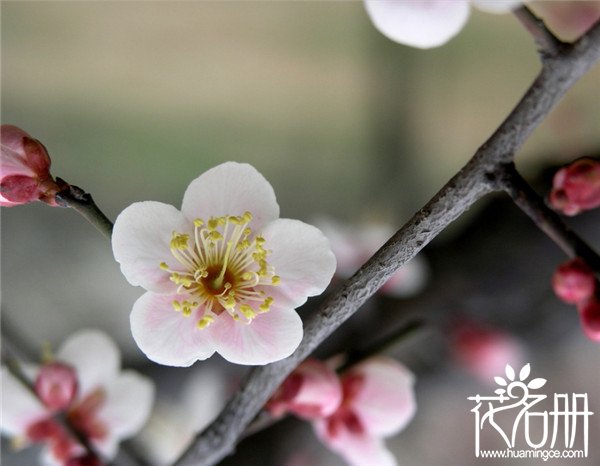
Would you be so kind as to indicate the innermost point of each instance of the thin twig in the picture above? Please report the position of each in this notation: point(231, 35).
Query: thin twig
point(478, 178)
point(546, 219)
point(547, 42)
point(82, 202)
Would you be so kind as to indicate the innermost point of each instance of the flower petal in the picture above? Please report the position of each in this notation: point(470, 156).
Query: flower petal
point(270, 337)
point(94, 356)
point(358, 449)
point(418, 23)
point(166, 336)
point(141, 241)
point(19, 407)
point(496, 6)
point(385, 402)
point(128, 403)
point(302, 257)
point(231, 189)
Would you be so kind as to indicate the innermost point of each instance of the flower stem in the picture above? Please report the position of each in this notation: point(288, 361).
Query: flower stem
point(82, 202)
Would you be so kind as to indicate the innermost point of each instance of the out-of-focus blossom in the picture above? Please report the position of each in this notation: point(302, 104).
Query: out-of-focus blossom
point(576, 187)
point(173, 424)
point(313, 390)
point(108, 405)
point(485, 352)
point(354, 246)
point(569, 19)
point(224, 274)
point(574, 281)
point(24, 169)
point(427, 23)
point(378, 402)
point(589, 313)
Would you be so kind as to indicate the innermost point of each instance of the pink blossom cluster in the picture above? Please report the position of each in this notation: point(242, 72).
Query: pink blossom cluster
point(25, 170)
point(574, 282)
point(84, 386)
point(354, 412)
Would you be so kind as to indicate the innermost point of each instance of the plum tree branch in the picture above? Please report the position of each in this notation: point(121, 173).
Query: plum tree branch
point(546, 219)
point(484, 173)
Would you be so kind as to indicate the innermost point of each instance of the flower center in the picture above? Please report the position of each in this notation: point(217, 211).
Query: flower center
point(223, 267)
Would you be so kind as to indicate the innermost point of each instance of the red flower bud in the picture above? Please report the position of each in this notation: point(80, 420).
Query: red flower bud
point(576, 187)
point(56, 385)
point(589, 312)
point(574, 282)
point(24, 170)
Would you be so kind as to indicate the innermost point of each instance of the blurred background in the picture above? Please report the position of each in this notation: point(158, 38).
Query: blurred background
point(135, 99)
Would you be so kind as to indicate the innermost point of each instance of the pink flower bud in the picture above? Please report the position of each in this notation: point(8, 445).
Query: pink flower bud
point(24, 170)
point(56, 385)
point(574, 281)
point(312, 391)
point(589, 312)
point(576, 187)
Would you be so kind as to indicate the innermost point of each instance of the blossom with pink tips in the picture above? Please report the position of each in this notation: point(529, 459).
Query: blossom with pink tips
point(311, 391)
point(24, 169)
point(427, 23)
point(354, 245)
point(589, 313)
point(378, 402)
point(576, 187)
point(225, 274)
point(484, 352)
point(105, 405)
point(574, 281)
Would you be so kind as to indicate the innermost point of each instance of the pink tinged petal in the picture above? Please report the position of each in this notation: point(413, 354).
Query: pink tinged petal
point(20, 408)
point(94, 356)
point(302, 257)
point(269, 337)
point(418, 23)
point(409, 280)
point(141, 241)
point(128, 403)
point(231, 189)
point(56, 385)
point(358, 449)
point(313, 390)
point(497, 6)
point(165, 335)
point(384, 401)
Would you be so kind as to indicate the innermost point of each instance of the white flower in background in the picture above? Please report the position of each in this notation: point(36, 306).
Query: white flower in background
point(427, 23)
point(173, 424)
point(354, 245)
point(224, 274)
point(85, 385)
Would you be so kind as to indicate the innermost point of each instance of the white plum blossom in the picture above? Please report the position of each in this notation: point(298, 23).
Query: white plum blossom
point(84, 384)
point(427, 23)
point(225, 274)
point(378, 401)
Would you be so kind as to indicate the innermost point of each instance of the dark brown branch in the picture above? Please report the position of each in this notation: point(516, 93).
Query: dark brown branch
point(548, 44)
point(82, 202)
point(546, 219)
